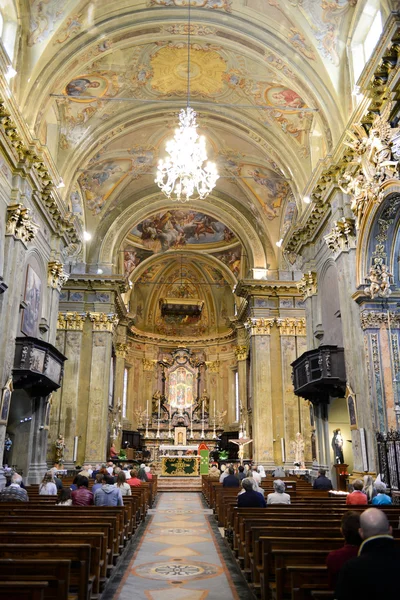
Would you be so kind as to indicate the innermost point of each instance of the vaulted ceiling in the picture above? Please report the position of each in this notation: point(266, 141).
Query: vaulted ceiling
point(101, 84)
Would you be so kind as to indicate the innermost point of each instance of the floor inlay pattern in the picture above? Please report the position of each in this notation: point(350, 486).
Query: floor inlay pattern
point(178, 557)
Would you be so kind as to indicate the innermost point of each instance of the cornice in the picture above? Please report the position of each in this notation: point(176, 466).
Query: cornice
point(255, 287)
point(156, 338)
point(377, 83)
point(28, 158)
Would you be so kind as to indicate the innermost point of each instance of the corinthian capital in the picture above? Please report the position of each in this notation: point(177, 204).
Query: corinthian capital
point(241, 352)
point(307, 285)
point(121, 350)
point(71, 321)
point(259, 326)
point(148, 365)
point(56, 277)
point(292, 326)
point(103, 322)
point(20, 223)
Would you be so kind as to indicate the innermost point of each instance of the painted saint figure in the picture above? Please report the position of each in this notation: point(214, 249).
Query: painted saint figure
point(338, 446)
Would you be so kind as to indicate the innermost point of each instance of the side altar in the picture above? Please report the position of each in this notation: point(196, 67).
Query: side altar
point(179, 417)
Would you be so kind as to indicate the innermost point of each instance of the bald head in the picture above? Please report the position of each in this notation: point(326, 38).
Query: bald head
point(374, 522)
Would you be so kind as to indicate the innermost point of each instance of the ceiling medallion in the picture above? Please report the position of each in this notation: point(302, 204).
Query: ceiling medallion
point(185, 172)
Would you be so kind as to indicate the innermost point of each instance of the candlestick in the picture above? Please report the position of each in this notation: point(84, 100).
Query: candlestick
point(202, 422)
point(158, 420)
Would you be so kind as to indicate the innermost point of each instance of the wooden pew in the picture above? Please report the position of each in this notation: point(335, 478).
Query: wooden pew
point(55, 572)
point(79, 556)
point(23, 590)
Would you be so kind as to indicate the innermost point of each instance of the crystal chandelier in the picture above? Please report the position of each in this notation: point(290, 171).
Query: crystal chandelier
point(183, 173)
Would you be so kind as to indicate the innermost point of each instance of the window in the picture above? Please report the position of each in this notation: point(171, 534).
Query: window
point(125, 392)
point(1, 24)
point(365, 36)
point(237, 400)
point(111, 384)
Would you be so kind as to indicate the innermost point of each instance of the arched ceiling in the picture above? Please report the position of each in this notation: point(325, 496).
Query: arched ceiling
point(267, 80)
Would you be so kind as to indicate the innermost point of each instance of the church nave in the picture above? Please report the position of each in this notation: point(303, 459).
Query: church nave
point(179, 556)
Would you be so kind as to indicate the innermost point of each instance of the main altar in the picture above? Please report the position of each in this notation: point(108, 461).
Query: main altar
point(178, 417)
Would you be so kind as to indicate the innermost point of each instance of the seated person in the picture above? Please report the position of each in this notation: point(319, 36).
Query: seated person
point(14, 492)
point(214, 472)
point(241, 473)
point(48, 487)
point(148, 473)
point(322, 482)
point(381, 497)
point(279, 472)
point(231, 480)
point(357, 497)
point(134, 479)
point(64, 498)
point(108, 495)
point(99, 481)
point(278, 496)
point(113, 452)
point(349, 528)
point(250, 498)
point(82, 496)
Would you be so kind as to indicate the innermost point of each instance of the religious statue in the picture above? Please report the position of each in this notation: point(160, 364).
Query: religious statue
point(356, 186)
point(60, 446)
point(156, 400)
point(220, 417)
point(298, 450)
point(379, 281)
point(205, 402)
point(338, 446)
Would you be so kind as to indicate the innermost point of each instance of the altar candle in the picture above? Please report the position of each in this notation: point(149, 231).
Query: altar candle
point(203, 411)
point(147, 409)
point(159, 408)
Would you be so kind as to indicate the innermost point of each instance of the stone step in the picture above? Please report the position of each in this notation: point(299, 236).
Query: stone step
point(179, 484)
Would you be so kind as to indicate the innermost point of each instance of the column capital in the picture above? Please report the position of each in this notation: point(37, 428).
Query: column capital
point(20, 223)
point(307, 285)
point(121, 350)
point(71, 321)
point(148, 365)
point(241, 352)
point(56, 276)
point(213, 366)
point(342, 236)
point(373, 319)
point(291, 325)
point(259, 326)
point(103, 322)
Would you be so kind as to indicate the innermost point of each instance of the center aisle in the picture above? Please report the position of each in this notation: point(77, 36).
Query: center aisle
point(178, 556)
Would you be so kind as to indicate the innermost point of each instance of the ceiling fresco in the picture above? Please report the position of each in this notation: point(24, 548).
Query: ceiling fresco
point(178, 228)
point(102, 84)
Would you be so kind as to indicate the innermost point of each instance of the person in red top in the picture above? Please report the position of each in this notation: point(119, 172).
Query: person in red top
point(82, 496)
point(148, 473)
point(349, 527)
point(357, 497)
point(134, 480)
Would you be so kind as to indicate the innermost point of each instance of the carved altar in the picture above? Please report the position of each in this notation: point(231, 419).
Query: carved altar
point(180, 412)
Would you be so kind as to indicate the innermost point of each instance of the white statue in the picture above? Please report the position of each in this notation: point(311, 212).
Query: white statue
point(298, 450)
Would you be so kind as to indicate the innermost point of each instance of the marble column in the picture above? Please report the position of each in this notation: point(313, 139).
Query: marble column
point(66, 400)
point(37, 442)
point(98, 401)
point(121, 349)
point(148, 384)
point(20, 230)
point(263, 434)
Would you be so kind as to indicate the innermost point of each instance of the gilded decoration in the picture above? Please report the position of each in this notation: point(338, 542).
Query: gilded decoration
point(56, 277)
point(241, 352)
point(148, 365)
point(307, 285)
point(71, 321)
point(213, 366)
point(291, 326)
point(343, 235)
point(169, 67)
point(181, 466)
point(259, 326)
point(121, 350)
point(103, 322)
point(20, 223)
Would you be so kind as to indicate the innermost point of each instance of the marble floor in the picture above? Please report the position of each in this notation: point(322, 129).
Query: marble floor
point(180, 556)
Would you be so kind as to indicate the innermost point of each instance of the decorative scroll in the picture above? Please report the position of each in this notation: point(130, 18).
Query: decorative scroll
point(181, 466)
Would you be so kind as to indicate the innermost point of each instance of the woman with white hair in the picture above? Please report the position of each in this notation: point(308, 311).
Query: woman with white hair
point(381, 498)
point(278, 496)
point(261, 470)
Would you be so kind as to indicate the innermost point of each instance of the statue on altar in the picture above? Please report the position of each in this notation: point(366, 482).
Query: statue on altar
point(156, 401)
point(60, 447)
point(205, 402)
point(298, 450)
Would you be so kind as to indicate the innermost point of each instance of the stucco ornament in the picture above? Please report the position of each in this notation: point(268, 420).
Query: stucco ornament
point(342, 236)
point(374, 163)
point(379, 279)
